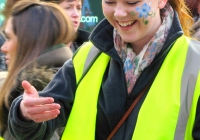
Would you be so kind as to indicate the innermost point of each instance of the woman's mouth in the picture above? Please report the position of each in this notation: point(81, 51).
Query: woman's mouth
point(126, 24)
point(75, 23)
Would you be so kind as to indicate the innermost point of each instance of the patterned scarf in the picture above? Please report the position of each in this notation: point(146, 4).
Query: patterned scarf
point(135, 64)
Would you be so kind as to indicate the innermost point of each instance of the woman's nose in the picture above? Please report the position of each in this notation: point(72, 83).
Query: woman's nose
point(75, 13)
point(4, 48)
point(120, 11)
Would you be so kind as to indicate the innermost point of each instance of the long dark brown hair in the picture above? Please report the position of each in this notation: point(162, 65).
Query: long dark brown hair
point(38, 26)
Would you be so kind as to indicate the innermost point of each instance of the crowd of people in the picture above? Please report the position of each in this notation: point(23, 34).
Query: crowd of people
point(44, 38)
point(135, 76)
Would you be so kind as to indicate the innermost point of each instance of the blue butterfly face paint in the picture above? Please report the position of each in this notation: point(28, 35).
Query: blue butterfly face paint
point(144, 12)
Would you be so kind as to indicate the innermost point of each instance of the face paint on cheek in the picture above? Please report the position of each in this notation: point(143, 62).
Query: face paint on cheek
point(144, 12)
point(132, 13)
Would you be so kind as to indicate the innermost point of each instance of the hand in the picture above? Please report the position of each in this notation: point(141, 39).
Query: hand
point(37, 108)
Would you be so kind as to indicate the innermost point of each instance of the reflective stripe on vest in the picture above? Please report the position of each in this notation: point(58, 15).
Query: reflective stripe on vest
point(82, 120)
point(169, 109)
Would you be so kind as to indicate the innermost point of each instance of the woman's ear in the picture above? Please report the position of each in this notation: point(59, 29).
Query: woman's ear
point(162, 3)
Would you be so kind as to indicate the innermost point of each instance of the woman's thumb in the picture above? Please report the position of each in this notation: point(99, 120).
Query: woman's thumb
point(29, 89)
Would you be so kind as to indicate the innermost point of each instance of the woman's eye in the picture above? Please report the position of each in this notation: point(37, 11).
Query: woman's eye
point(79, 8)
point(5, 36)
point(67, 7)
point(109, 2)
point(132, 3)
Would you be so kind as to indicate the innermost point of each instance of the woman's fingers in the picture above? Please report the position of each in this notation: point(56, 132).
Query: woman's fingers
point(37, 108)
point(46, 116)
point(29, 90)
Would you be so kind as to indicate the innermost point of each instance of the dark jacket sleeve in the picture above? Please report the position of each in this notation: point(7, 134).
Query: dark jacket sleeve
point(62, 89)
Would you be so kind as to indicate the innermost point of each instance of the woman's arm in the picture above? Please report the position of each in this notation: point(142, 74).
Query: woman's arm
point(30, 115)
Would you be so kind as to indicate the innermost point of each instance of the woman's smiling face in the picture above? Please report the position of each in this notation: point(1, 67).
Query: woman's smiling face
point(135, 20)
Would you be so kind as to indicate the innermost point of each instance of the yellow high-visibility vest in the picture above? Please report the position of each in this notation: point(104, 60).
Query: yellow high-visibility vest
point(169, 109)
point(91, 59)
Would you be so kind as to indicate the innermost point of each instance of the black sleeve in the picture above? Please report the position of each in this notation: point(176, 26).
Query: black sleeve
point(62, 89)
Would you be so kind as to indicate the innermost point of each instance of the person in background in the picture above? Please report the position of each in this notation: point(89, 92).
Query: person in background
point(73, 9)
point(138, 78)
point(36, 34)
point(5, 12)
point(194, 6)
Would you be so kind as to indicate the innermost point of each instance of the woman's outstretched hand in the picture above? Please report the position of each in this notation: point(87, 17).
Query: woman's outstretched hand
point(38, 109)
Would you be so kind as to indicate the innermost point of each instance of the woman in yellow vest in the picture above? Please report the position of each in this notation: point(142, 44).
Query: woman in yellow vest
point(141, 49)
